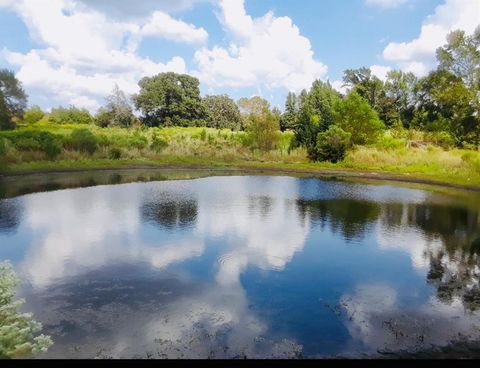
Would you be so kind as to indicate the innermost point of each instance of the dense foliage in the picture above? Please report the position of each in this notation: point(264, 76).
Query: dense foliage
point(18, 331)
point(70, 115)
point(332, 145)
point(222, 112)
point(13, 100)
point(170, 99)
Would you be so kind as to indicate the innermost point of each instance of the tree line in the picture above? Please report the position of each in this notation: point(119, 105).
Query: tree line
point(445, 103)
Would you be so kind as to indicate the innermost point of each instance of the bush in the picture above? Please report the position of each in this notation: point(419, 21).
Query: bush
point(18, 331)
point(33, 115)
point(71, 115)
point(387, 142)
point(115, 153)
point(82, 140)
point(3, 147)
point(332, 145)
point(37, 141)
point(158, 143)
point(137, 140)
point(442, 139)
point(263, 131)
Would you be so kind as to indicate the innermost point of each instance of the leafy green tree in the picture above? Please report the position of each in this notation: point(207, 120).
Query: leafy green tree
point(365, 84)
point(400, 88)
point(18, 331)
point(33, 115)
point(117, 112)
point(445, 104)
point(354, 115)
point(263, 131)
point(320, 101)
point(170, 99)
point(332, 145)
point(374, 91)
point(315, 114)
point(70, 115)
point(222, 112)
point(13, 99)
point(461, 56)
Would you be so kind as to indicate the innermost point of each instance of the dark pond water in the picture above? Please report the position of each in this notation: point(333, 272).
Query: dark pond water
point(242, 266)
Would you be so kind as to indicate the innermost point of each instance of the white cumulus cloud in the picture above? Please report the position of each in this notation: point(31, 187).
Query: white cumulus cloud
point(418, 55)
point(266, 51)
point(83, 53)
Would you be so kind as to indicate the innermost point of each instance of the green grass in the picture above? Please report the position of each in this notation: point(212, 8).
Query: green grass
point(207, 147)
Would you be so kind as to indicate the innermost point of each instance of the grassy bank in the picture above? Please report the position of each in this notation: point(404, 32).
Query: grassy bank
point(205, 147)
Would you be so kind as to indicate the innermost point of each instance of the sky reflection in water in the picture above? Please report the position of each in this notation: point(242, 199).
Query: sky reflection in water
point(254, 266)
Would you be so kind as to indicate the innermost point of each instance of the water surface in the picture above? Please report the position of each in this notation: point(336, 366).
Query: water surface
point(242, 266)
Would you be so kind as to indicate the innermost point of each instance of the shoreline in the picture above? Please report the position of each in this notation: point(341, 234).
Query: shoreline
point(224, 166)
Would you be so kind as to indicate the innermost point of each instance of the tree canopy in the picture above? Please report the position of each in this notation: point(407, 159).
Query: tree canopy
point(13, 99)
point(170, 99)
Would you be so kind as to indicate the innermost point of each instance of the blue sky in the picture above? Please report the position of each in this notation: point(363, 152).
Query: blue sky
point(75, 51)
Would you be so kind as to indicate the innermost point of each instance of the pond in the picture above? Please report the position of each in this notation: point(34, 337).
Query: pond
point(189, 265)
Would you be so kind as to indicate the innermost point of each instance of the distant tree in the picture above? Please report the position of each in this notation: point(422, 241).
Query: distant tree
point(364, 83)
point(70, 115)
point(355, 116)
point(320, 101)
point(263, 131)
point(315, 114)
point(170, 99)
point(254, 105)
point(33, 115)
point(13, 99)
point(222, 112)
point(400, 88)
point(445, 104)
point(117, 112)
point(461, 56)
point(288, 119)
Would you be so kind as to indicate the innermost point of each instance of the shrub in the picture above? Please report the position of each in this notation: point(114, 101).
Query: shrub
point(33, 115)
point(137, 140)
point(18, 331)
point(71, 115)
point(158, 143)
point(263, 131)
point(387, 142)
point(37, 141)
point(3, 147)
point(332, 145)
point(82, 140)
point(442, 139)
point(115, 153)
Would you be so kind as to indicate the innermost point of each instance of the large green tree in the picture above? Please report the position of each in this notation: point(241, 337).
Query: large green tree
point(315, 114)
point(13, 99)
point(354, 115)
point(461, 56)
point(445, 104)
point(400, 88)
point(170, 99)
point(222, 112)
